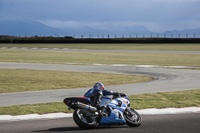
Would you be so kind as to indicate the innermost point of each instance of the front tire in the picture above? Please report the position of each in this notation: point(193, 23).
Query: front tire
point(132, 118)
point(84, 119)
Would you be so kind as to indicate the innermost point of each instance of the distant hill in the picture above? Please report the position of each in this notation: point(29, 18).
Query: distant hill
point(32, 28)
point(190, 33)
point(27, 28)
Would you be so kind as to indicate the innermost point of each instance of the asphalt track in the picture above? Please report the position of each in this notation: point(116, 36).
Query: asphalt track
point(179, 123)
point(165, 80)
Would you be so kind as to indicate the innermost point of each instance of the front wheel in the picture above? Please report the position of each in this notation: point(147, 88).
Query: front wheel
point(84, 119)
point(132, 118)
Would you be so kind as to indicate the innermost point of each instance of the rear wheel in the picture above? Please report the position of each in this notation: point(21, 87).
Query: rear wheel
point(132, 118)
point(84, 119)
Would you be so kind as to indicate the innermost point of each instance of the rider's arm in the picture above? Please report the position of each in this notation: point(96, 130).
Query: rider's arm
point(107, 92)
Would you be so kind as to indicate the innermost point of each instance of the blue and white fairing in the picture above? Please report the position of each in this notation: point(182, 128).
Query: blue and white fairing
point(117, 108)
point(116, 116)
point(123, 101)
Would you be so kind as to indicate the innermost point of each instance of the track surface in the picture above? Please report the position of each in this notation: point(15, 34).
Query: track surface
point(164, 80)
point(182, 123)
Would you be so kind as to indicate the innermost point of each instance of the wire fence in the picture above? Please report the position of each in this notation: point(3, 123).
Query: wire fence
point(138, 36)
point(104, 36)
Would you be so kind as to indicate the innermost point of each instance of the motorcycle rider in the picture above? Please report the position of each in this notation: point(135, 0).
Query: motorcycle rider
point(97, 92)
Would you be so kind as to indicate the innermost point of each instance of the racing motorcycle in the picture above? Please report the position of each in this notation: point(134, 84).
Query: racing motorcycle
point(113, 110)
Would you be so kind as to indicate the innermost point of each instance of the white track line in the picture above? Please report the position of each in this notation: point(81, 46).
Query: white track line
point(4, 118)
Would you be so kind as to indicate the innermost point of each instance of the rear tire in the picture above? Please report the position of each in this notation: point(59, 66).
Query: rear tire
point(132, 118)
point(82, 120)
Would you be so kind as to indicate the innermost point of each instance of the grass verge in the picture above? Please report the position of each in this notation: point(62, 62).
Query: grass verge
point(176, 99)
point(88, 58)
point(154, 100)
point(114, 46)
point(12, 80)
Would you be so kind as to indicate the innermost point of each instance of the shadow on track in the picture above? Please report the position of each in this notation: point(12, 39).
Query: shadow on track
point(61, 129)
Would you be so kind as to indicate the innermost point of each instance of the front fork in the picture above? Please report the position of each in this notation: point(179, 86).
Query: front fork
point(130, 114)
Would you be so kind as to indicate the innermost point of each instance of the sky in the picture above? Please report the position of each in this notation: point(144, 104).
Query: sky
point(155, 15)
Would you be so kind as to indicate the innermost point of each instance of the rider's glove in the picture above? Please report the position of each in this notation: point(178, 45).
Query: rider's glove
point(116, 94)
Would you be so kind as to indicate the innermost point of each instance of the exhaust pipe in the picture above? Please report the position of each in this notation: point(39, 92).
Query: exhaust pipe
point(85, 106)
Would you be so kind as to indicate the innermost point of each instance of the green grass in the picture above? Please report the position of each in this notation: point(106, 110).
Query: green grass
point(41, 108)
point(88, 58)
point(169, 99)
point(113, 46)
point(33, 80)
point(154, 100)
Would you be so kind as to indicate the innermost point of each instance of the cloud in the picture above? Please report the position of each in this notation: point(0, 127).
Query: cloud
point(156, 15)
point(93, 24)
point(124, 25)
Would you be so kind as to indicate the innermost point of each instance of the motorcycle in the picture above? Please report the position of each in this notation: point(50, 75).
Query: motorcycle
point(112, 111)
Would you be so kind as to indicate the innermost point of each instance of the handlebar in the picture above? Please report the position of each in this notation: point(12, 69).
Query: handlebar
point(118, 95)
point(122, 95)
